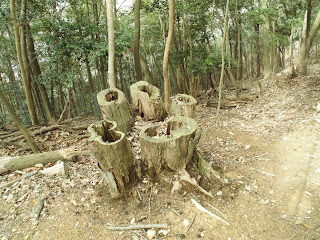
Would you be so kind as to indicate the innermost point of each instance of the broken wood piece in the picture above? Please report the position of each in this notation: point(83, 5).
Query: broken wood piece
point(114, 155)
point(21, 162)
point(201, 208)
point(136, 227)
point(114, 106)
point(184, 176)
point(173, 148)
point(183, 105)
point(226, 104)
point(147, 99)
point(205, 168)
point(60, 168)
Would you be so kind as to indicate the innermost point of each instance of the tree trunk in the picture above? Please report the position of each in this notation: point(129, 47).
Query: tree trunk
point(307, 43)
point(150, 79)
point(257, 42)
point(19, 123)
point(86, 61)
point(222, 56)
point(111, 46)
point(174, 148)
point(115, 107)
point(114, 155)
point(166, 54)
point(147, 99)
point(21, 162)
point(37, 72)
point(183, 105)
point(23, 68)
point(136, 51)
point(267, 70)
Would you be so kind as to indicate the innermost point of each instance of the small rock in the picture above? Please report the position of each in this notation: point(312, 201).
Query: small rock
point(39, 165)
point(151, 234)
point(186, 222)
point(219, 193)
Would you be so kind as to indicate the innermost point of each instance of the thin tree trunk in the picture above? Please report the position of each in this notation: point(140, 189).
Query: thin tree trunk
point(37, 72)
point(25, 77)
point(222, 56)
point(148, 74)
point(166, 56)
point(111, 46)
point(19, 123)
point(257, 42)
point(136, 47)
point(267, 70)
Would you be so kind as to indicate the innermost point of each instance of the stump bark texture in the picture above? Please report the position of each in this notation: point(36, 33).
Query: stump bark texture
point(115, 107)
point(183, 105)
point(174, 148)
point(114, 155)
point(147, 99)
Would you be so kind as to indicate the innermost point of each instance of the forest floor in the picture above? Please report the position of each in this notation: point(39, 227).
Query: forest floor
point(267, 152)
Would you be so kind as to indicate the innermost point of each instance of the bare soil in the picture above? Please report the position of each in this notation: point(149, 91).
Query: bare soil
point(267, 152)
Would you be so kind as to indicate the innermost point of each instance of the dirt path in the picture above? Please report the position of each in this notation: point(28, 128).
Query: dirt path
point(268, 153)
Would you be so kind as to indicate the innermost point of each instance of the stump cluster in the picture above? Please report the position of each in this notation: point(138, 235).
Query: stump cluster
point(170, 148)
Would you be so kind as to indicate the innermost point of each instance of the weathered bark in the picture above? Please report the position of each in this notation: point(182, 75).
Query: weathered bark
point(111, 46)
point(8, 164)
point(183, 105)
point(115, 107)
point(136, 47)
point(166, 56)
point(114, 155)
point(19, 123)
point(174, 149)
point(147, 99)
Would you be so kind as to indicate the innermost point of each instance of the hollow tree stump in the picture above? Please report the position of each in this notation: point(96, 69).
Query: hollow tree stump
point(115, 107)
point(183, 105)
point(114, 155)
point(174, 148)
point(147, 99)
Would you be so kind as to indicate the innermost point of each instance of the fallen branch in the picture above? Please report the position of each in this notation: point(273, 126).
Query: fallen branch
point(39, 131)
point(8, 164)
point(39, 207)
point(136, 227)
point(266, 173)
point(227, 104)
point(201, 208)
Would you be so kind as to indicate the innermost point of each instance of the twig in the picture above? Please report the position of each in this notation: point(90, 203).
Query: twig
point(149, 211)
point(194, 217)
point(266, 173)
point(216, 209)
point(201, 208)
point(136, 227)
point(139, 195)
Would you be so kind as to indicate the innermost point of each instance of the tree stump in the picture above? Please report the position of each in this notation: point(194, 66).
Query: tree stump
point(114, 155)
point(172, 147)
point(115, 107)
point(147, 99)
point(183, 105)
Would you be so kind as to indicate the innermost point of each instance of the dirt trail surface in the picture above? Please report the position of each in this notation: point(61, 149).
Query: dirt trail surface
point(268, 156)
